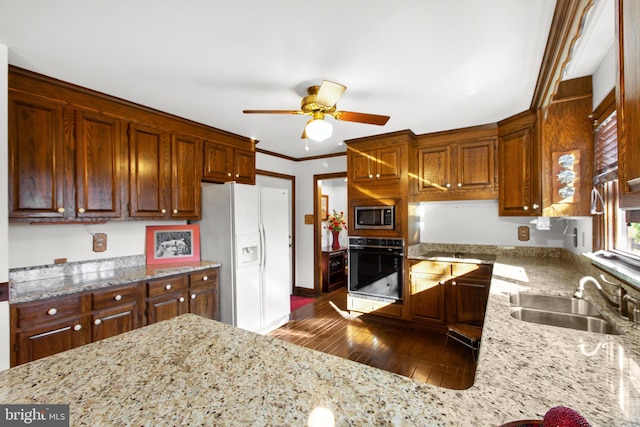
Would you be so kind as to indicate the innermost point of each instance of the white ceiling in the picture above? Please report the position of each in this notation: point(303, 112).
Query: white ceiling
point(429, 64)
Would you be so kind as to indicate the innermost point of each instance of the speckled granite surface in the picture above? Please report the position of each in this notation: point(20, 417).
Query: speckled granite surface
point(32, 283)
point(193, 371)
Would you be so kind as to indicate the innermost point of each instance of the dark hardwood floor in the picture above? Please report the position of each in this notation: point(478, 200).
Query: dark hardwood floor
point(326, 326)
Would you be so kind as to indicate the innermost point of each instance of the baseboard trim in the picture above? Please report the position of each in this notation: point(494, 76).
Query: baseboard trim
point(304, 292)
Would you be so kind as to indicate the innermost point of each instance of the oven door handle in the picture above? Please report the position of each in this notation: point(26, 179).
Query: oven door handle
point(376, 252)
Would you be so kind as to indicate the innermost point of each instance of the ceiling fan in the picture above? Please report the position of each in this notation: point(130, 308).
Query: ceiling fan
point(320, 102)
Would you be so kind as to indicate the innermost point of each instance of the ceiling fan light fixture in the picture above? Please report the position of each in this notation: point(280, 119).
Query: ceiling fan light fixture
point(318, 129)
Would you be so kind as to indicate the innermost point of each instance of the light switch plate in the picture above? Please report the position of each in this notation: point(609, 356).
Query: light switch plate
point(523, 233)
point(99, 242)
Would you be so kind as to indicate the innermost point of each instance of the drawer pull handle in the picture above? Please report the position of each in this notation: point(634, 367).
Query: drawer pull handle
point(205, 278)
point(117, 297)
point(193, 296)
point(97, 322)
point(181, 299)
point(52, 311)
point(77, 327)
point(167, 286)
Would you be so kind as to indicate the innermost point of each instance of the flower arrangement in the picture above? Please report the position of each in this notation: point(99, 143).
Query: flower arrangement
point(336, 222)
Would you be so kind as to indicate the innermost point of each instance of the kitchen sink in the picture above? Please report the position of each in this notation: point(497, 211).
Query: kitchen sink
point(564, 312)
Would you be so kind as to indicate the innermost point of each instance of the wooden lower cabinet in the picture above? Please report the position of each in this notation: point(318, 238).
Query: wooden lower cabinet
point(117, 310)
point(204, 294)
point(167, 298)
point(45, 327)
point(333, 269)
point(427, 283)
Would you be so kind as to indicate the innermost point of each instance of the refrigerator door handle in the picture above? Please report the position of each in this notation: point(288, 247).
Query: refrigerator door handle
point(263, 247)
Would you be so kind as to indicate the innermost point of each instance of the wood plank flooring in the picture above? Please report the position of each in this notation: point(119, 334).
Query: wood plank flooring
point(326, 326)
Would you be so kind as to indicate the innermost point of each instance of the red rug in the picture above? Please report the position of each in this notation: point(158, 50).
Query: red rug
point(297, 302)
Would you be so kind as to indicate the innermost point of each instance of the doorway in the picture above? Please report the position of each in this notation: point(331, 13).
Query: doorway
point(334, 187)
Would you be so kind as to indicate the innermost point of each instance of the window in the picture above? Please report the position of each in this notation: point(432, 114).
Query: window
point(615, 230)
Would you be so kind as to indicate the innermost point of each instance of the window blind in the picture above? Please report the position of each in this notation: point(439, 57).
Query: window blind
point(606, 150)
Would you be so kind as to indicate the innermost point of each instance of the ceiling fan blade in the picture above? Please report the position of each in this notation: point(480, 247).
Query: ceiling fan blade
point(329, 93)
point(350, 116)
point(273, 112)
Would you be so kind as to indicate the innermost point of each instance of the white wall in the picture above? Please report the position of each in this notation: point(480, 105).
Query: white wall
point(604, 78)
point(4, 200)
point(41, 244)
point(477, 222)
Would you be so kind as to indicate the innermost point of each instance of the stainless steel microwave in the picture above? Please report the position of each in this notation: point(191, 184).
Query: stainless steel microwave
point(375, 217)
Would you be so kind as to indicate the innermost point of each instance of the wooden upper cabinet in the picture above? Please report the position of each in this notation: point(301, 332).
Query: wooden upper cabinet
point(376, 164)
point(224, 163)
point(100, 154)
point(628, 102)
point(38, 148)
point(149, 163)
point(515, 172)
point(450, 166)
point(185, 189)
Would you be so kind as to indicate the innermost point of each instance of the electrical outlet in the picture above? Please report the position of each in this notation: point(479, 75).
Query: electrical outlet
point(99, 242)
point(523, 233)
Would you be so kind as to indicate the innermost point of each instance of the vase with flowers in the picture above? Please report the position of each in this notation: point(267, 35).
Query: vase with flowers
point(335, 224)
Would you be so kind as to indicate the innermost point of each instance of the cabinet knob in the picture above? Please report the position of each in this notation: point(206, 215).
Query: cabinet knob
point(453, 283)
point(448, 185)
point(97, 321)
point(117, 297)
point(167, 286)
point(526, 208)
point(370, 176)
point(164, 211)
point(77, 327)
point(459, 184)
point(228, 173)
point(181, 299)
point(193, 296)
point(61, 210)
point(441, 282)
point(52, 311)
point(175, 211)
point(377, 175)
point(205, 278)
point(237, 175)
point(81, 210)
point(535, 206)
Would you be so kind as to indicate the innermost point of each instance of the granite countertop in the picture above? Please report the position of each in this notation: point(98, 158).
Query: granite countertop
point(194, 371)
point(33, 283)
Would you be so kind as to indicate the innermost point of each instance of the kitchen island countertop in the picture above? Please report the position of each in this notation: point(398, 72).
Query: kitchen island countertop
point(194, 371)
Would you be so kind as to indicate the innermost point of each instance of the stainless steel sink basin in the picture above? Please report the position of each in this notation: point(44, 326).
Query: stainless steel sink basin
point(554, 303)
point(564, 312)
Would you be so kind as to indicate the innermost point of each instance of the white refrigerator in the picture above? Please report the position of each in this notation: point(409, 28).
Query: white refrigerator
point(246, 229)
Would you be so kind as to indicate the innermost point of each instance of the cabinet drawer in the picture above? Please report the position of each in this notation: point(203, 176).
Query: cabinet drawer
point(113, 297)
point(167, 285)
point(204, 277)
point(375, 307)
point(479, 271)
point(431, 267)
point(47, 311)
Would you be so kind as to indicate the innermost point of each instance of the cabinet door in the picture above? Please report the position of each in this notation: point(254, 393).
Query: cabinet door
point(185, 177)
point(388, 163)
point(434, 168)
point(427, 297)
point(245, 166)
point(149, 163)
point(514, 153)
point(362, 165)
point(470, 298)
point(167, 307)
point(37, 157)
point(476, 165)
point(203, 302)
point(217, 162)
point(43, 341)
point(99, 155)
point(114, 321)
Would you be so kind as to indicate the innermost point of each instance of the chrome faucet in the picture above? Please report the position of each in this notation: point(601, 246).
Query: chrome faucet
point(626, 299)
point(616, 300)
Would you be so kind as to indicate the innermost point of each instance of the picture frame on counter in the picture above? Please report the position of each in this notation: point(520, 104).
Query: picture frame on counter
point(172, 243)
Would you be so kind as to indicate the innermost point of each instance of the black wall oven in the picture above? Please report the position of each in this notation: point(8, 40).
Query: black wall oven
point(375, 268)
